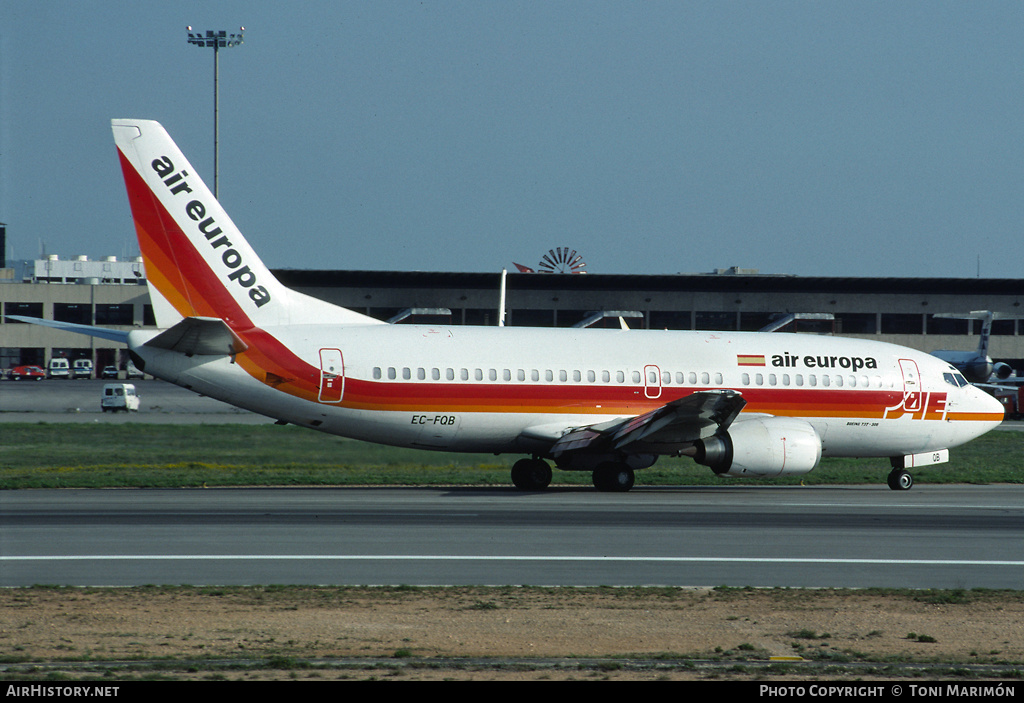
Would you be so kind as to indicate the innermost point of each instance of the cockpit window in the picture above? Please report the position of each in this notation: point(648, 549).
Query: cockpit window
point(955, 379)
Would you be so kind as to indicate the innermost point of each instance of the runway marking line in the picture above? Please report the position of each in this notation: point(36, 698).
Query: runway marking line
point(447, 557)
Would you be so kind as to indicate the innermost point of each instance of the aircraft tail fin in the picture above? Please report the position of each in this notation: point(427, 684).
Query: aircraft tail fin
point(986, 334)
point(197, 262)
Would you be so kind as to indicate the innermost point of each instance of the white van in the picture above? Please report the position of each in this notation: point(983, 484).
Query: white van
point(60, 368)
point(82, 368)
point(119, 396)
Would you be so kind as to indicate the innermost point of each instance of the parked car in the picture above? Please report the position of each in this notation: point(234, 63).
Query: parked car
point(133, 371)
point(109, 372)
point(82, 368)
point(27, 372)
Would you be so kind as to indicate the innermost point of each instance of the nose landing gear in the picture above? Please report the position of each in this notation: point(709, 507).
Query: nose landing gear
point(900, 480)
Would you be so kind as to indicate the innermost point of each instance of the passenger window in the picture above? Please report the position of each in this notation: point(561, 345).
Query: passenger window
point(620, 377)
point(376, 373)
point(392, 373)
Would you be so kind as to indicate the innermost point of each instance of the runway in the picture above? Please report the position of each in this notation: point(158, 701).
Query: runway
point(931, 537)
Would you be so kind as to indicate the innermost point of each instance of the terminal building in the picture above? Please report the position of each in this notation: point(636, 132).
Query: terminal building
point(112, 292)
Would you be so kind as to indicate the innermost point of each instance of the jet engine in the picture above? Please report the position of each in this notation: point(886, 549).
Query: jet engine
point(1002, 371)
point(769, 446)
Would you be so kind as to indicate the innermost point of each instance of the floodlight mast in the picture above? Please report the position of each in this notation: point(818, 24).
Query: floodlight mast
point(217, 40)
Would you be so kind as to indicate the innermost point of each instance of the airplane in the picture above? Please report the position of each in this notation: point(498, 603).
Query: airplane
point(977, 366)
point(606, 401)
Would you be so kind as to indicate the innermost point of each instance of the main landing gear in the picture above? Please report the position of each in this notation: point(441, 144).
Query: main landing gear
point(612, 477)
point(531, 474)
point(535, 475)
point(900, 480)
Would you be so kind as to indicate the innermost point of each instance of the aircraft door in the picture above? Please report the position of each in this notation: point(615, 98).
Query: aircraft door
point(652, 381)
point(332, 376)
point(912, 391)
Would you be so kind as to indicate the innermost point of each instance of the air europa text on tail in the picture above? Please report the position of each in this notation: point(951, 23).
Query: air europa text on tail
point(196, 211)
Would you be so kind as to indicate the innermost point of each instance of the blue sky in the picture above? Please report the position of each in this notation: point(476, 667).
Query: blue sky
point(812, 138)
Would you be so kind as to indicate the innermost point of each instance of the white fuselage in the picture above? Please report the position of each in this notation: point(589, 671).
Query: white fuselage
point(505, 389)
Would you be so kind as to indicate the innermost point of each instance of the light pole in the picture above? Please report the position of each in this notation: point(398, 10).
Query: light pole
point(217, 40)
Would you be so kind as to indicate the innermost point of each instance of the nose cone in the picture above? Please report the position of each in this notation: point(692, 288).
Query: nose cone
point(984, 410)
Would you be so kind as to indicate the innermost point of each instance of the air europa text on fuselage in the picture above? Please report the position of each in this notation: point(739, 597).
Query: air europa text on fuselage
point(196, 211)
point(819, 361)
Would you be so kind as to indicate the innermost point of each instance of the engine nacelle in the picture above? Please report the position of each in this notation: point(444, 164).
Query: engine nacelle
point(770, 446)
point(1002, 371)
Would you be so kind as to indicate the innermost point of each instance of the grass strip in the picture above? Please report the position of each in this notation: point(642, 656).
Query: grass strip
point(44, 455)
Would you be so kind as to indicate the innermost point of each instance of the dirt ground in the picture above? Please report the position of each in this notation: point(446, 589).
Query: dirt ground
point(522, 632)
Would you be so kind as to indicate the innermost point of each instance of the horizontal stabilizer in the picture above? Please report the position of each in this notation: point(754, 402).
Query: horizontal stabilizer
point(101, 332)
point(204, 336)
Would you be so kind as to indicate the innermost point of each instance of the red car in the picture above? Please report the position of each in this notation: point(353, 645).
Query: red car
point(29, 372)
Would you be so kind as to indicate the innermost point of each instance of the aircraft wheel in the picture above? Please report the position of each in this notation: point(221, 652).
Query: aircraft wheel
point(900, 480)
point(531, 475)
point(611, 477)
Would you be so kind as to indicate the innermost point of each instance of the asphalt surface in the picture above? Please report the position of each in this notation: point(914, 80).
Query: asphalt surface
point(59, 400)
point(930, 537)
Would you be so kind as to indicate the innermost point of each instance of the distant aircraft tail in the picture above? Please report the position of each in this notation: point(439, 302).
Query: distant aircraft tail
point(198, 264)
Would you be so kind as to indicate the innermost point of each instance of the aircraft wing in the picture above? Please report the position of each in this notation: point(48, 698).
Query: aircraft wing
point(669, 429)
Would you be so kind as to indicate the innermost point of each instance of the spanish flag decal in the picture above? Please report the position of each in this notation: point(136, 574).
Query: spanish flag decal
point(750, 359)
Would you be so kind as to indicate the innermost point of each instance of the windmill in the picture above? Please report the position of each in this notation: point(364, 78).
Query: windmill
point(557, 260)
